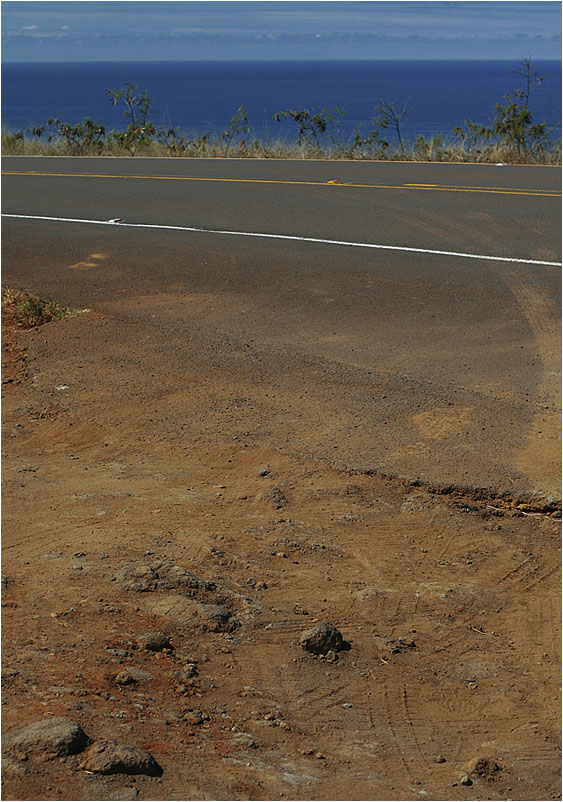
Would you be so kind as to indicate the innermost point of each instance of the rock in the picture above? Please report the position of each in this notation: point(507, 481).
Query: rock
point(120, 653)
point(114, 757)
point(109, 609)
point(395, 645)
point(439, 759)
point(139, 675)
point(245, 740)
point(275, 496)
point(53, 737)
point(465, 779)
point(257, 584)
point(322, 638)
point(126, 794)
point(154, 641)
point(482, 767)
point(124, 678)
point(190, 670)
point(12, 768)
point(218, 618)
point(195, 718)
point(144, 578)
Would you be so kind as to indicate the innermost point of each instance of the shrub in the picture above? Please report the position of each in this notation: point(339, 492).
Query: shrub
point(24, 310)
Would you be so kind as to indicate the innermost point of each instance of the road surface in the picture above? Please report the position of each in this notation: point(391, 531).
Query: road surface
point(434, 363)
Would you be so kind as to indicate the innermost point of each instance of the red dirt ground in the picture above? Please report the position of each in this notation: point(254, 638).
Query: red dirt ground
point(116, 455)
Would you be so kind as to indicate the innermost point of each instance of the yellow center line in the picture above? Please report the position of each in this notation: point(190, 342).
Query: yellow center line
point(486, 190)
point(520, 190)
point(424, 187)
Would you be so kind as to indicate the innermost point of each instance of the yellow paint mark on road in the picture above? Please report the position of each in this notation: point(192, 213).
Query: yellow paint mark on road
point(411, 187)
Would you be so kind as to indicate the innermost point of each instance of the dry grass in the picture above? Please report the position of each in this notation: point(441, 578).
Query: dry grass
point(422, 150)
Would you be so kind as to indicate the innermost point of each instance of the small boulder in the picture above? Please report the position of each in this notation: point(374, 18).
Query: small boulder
point(124, 678)
point(154, 641)
point(218, 618)
point(323, 638)
point(114, 757)
point(53, 737)
point(483, 767)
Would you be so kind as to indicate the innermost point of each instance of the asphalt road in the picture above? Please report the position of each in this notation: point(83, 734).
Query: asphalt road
point(450, 363)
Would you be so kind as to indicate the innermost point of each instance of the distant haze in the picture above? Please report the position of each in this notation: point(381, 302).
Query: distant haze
point(155, 31)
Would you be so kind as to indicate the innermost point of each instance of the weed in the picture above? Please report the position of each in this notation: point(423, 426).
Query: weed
point(238, 125)
point(25, 310)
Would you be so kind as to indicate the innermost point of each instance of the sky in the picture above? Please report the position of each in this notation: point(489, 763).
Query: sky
point(88, 30)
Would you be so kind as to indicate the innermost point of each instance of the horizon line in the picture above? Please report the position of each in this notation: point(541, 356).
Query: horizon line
point(245, 60)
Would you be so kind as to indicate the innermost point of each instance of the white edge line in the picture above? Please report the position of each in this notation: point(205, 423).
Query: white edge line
point(288, 237)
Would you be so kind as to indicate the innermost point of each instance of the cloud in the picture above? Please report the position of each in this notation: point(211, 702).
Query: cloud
point(168, 30)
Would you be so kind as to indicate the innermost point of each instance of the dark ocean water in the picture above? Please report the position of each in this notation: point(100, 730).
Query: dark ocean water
point(201, 96)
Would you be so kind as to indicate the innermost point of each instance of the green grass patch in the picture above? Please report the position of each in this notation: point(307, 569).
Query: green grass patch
point(24, 310)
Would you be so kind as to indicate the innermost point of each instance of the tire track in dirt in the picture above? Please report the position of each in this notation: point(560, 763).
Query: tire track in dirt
point(525, 575)
point(514, 572)
point(543, 622)
point(403, 740)
point(540, 457)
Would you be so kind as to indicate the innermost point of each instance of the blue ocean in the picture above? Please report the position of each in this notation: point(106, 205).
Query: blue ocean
point(197, 97)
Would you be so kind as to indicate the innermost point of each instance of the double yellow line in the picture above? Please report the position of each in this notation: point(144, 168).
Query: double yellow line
point(331, 183)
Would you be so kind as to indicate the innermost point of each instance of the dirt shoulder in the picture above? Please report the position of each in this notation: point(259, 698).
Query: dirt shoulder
point(147, 493)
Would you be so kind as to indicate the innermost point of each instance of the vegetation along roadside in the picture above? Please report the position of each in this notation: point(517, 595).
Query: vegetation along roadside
point(24, 310)
point(510, 135)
